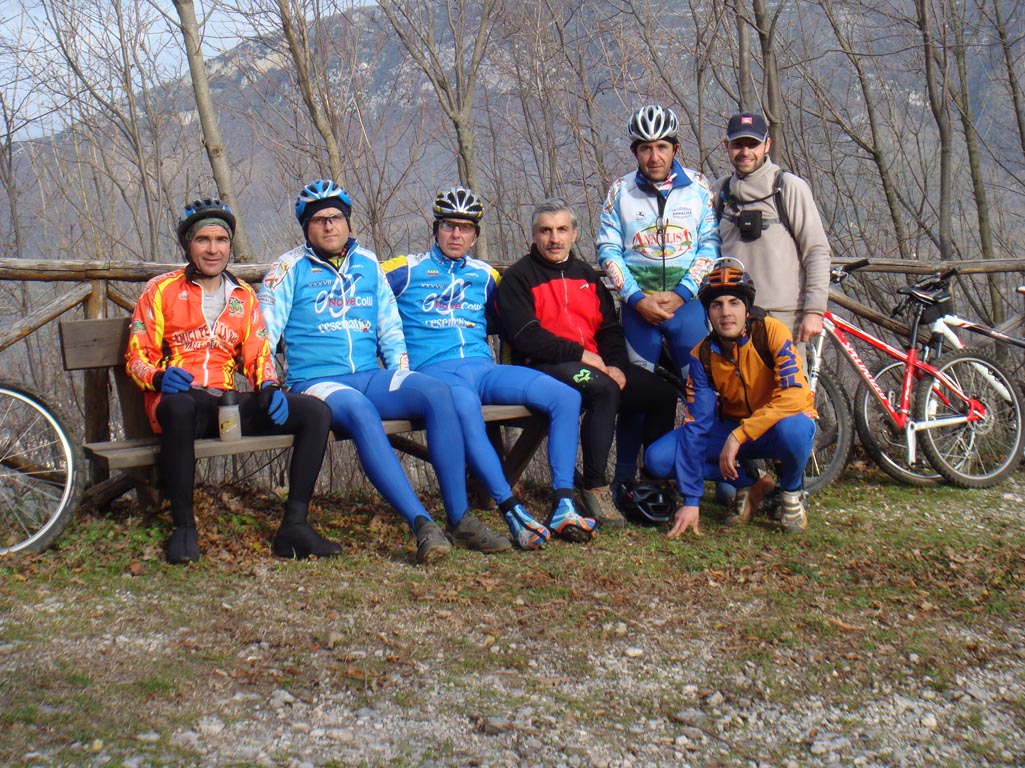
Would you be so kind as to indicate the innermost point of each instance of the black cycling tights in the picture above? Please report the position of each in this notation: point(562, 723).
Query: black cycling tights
point(186, 416)
point(651, 399)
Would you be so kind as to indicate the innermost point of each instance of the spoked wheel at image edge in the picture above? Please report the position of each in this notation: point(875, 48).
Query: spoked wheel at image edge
point(985, 449)
point(38, 472)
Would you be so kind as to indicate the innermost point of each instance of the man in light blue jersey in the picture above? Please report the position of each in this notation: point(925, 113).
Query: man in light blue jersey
point(331, 305)
point(445, 298)
point(657, 239)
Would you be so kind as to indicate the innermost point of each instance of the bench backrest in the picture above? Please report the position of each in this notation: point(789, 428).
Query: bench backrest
point(91, 344)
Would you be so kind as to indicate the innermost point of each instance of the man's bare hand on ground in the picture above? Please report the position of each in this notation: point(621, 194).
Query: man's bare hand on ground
point(686, 518)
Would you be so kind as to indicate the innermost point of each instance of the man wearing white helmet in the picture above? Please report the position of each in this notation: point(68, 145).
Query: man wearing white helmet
point(656, 241)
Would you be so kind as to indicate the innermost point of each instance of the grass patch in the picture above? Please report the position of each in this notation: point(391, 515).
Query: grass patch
point(887, 585)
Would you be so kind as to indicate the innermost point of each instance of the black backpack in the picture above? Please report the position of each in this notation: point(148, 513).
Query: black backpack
point(759, 337)
point(724, 198)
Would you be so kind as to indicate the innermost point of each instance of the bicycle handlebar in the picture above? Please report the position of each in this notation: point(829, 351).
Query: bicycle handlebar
point(839, 273)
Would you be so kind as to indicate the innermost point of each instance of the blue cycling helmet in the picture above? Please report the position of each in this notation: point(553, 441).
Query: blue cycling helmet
point(205, 208)
point(322, 193)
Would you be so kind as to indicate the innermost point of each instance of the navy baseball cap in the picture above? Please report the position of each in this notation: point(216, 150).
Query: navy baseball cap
point(747, 125)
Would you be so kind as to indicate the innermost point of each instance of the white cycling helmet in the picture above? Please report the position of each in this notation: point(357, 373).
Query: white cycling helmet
point(653, 123)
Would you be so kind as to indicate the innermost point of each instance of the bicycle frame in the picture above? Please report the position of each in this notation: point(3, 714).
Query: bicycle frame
point(839, 330)
point(945, 323)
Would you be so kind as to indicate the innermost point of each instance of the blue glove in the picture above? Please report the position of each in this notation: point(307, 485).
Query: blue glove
point(174, 380)
point(274, 400)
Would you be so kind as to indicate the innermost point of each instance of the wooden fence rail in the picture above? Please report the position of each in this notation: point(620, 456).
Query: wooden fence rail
point(93, 290)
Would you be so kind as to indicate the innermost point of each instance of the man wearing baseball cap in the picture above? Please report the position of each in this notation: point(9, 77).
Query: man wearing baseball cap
point(768, 220)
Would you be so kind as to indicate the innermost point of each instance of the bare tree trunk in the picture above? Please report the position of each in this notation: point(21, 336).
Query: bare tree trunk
point(765, 24)
point(745, 76)
point(297, 37)
point(212, 138)
point(936, 69)
point(414, 24)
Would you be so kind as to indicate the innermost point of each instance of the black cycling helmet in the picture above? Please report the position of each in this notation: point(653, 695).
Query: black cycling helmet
point(458, 203)
point(653, 123)
point(727, 278)
point(197, 210)
point(645, 503)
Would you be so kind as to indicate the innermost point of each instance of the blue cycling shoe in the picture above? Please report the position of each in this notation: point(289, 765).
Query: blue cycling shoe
point(570, 526)
point(526, 531)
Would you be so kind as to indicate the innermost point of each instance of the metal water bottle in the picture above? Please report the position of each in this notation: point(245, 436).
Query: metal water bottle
point(228, 419)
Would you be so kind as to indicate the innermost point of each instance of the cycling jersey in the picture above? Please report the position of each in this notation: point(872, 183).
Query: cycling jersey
point(552, 313)
point(169, 329)
point(333, 321)
point(650, 240)
point(747, 400)
point(443, 303)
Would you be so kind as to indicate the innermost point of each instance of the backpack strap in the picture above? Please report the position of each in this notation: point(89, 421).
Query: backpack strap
point(705, 356)
point(721, 199)
point(760, 336)
point(781, 209)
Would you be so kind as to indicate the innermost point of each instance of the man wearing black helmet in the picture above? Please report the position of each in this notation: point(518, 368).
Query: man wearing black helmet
point(657, 239)
point(446, 299)
point(189, 331)
point(330, 303)
point(740, 409)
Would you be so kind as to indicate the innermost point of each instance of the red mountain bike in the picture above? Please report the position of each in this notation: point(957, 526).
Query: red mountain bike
point(964, 411)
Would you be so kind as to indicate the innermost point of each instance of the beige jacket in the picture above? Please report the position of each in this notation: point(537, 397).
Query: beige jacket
point(791, 274)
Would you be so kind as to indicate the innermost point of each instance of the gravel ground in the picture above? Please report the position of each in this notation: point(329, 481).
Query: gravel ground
point(652, 690)
point(899, 723)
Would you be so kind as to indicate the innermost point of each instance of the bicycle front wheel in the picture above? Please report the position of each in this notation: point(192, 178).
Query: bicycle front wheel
point(882, 440)
point(38, 489)
point(833, 435)
point(972, 454)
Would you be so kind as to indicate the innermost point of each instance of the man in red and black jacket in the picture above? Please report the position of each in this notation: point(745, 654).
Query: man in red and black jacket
point(557, 316)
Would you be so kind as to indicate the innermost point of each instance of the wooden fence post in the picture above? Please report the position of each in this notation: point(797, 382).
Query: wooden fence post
point(97, 385)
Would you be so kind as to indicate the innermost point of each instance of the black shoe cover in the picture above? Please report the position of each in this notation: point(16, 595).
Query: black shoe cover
point(183, 546)
point(299, 540)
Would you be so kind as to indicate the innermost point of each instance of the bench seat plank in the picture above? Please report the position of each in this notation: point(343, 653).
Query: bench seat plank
point(143, 451)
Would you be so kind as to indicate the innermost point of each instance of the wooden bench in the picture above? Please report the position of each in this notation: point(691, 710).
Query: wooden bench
point(94, 345)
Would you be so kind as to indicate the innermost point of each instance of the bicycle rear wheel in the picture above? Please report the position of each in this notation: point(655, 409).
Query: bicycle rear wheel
point(974, 454)
point(833, 435)
point(38, 488)
point(883, 442)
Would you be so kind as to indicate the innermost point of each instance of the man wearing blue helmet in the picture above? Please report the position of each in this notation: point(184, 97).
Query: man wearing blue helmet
point(446, 299)
point(330, 303)
point(190, 331)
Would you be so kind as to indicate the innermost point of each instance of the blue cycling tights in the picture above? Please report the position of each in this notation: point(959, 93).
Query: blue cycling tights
point(480, 380)
point(359, 401)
